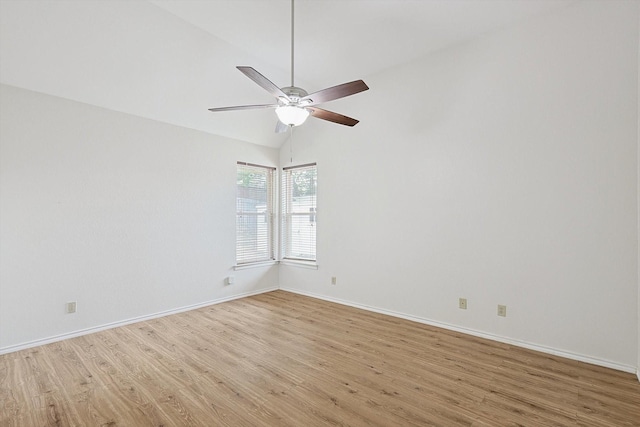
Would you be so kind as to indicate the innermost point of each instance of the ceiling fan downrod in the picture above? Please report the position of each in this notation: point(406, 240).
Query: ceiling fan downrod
point(292, 27)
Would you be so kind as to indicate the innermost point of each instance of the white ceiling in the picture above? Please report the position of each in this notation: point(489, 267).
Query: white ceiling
point(170, 60)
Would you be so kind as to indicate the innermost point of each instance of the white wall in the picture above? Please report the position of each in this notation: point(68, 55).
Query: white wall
point(127, 216)
point(504, 171)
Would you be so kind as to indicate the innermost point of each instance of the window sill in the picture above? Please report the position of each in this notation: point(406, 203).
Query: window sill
point(254, 265)
point(302, 264)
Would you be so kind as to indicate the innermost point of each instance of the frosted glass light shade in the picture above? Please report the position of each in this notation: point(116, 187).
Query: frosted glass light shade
point(291, 115)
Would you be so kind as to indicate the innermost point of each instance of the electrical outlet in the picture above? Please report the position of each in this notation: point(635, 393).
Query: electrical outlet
point(502, 310)
point(334, 280)
point(462, 303)
point(71, 307)
point(231, 280)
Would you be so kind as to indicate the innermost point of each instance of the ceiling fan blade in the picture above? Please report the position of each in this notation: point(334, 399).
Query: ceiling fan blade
point(263, 82)
point(281, 127)
point(244, 107)
point(332, 117)
point(336, 92)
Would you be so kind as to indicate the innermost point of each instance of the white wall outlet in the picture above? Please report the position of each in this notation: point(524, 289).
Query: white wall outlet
point(334, 280)
point(72, 307)
point(462, 303)
point(231, 280)
point(502, 310)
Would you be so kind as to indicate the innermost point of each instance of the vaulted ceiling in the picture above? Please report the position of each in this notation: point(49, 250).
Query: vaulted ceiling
point(171, 60)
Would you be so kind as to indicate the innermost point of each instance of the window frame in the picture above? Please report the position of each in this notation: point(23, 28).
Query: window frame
point(287, 215)
point(270, 212)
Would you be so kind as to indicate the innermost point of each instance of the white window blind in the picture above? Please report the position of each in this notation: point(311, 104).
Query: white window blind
point(298, 229)
point(254, 214)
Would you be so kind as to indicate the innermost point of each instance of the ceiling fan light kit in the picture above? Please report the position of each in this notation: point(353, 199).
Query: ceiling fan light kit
point(294, 104)
point(291, 115)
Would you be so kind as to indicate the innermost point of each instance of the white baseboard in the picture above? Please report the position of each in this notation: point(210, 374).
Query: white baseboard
point(518, 343)
point(23, 346)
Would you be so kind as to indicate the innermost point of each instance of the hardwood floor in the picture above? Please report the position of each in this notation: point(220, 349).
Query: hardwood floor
point(281, 359)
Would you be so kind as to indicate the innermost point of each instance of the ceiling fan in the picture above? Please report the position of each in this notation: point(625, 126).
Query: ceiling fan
point(294, 104)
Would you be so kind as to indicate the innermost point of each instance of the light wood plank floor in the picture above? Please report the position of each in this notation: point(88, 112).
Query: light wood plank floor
point(281, 359)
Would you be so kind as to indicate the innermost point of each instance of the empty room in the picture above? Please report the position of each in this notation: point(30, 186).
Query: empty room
point(319, 212)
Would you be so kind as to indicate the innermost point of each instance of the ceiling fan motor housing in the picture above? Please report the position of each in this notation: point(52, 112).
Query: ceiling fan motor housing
point(294, 93)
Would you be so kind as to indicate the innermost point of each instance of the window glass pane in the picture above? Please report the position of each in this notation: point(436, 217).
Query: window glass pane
point(299, 187)
point(254, 214)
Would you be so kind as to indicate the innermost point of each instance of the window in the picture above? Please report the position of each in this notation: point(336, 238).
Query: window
point(254, 214)
point(299, 185)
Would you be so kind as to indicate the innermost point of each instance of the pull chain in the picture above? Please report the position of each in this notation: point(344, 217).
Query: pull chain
point(291, 145)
